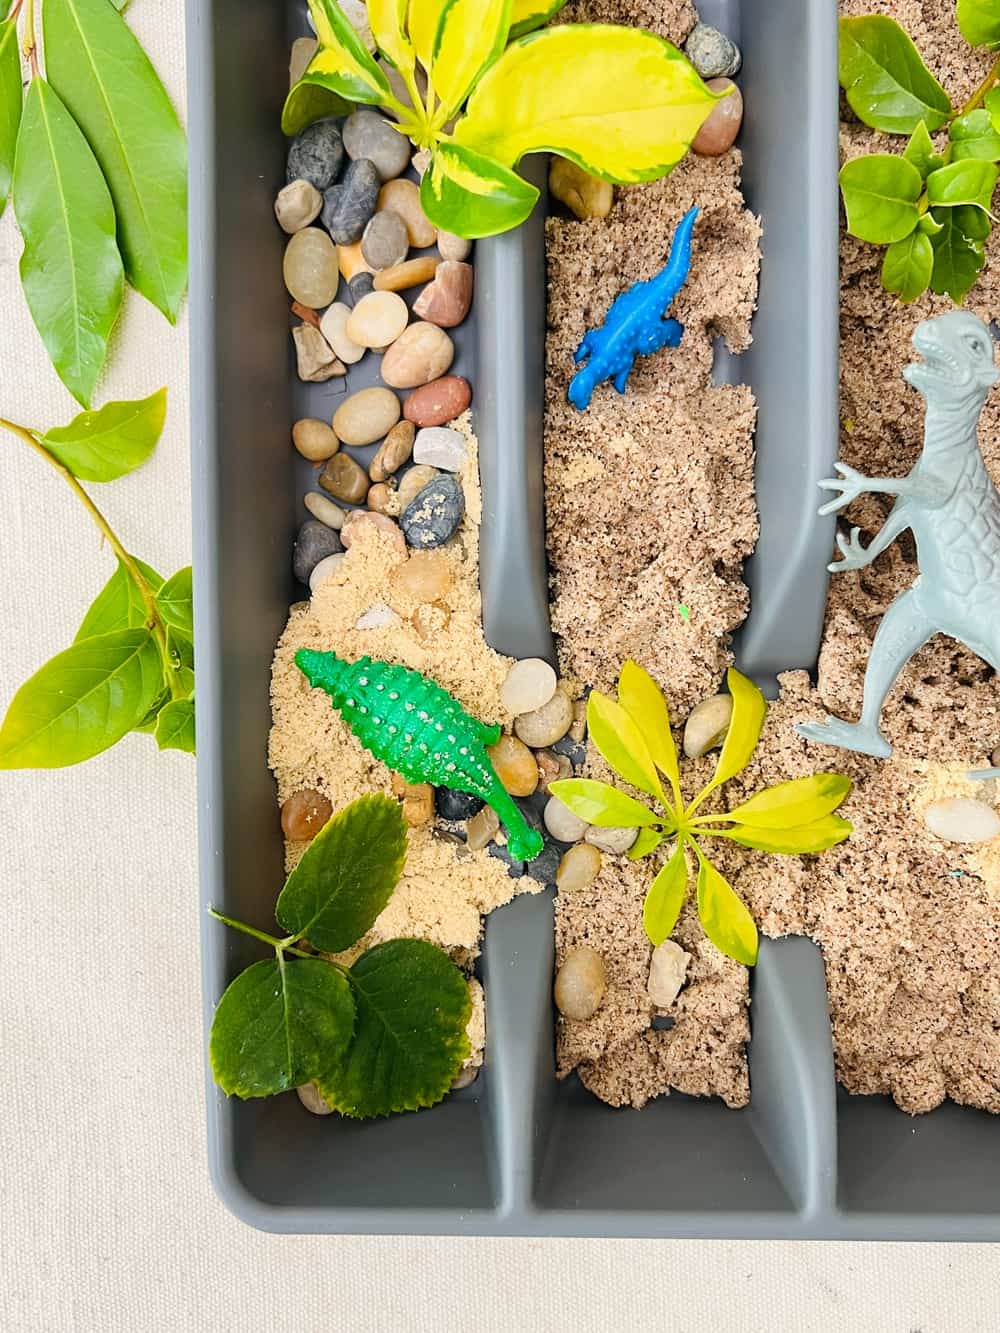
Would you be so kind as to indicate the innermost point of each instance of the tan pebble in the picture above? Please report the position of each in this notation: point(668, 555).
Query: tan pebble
point(366, 416)
point(707, 725)
point(303, 50)
point(466, 1076)
point(411, 273)
point(961, 819)
point(548, 724)
point(420, 161)
point(482, 828)
point(418, 804)
point(352, 261)
point(326, 569)
point(399, 784)
point(381, 498)
point(412, 482)
point(447, 299)
point(667, 973)
point(297, 205)
point(515, 765)
point(333, 327)
point(578, 729)
point(439, 402)
point(314, 439)
point(430, 620)
point(345, 479)
point(382, 522)
point(551, 767)
point(530, 683)
point(323, 508)
point(310, 266)
point(426, 577)
point(393, 452)
point(562, 823)
point(304, 814)
point(719, 131)
point(316, 359)
point(403, 197)
point(421, 353)
point(378, 320)
point(617, 841)
point(453, 247)
point(580, 984)
point(578, 868)
point(585, 196)
point(312, 1099)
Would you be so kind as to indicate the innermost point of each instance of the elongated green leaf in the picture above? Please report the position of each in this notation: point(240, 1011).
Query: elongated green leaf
point(620, 741)
point(815, 837)
point(346, 876)
point(603, 805)
point(71, 270)
point(908, 266)
point(880, 195)
point(643, 700)
point(958, 252)
point(921, 152)
point(82, 701)
point(307, 102)
point(343, 63)
point(423, 17)
point(620, 102)
point(790, 804)
point(409, 1040)
point(749, 711)
point(387, 19)
point(725, 919)
point(119, 604)
point(968, 182)
point(472, 196)
point(175, 726)
point(11, 98)
point(527, 15)
point(113, 92)
point(665, 898)
point(979, 21)
point(469, 37)
point(175, 602)
point(108, 443)
point(991, 103)
point(647, 841)
point(280, 1024)
point(974, 136)
point(887, 83)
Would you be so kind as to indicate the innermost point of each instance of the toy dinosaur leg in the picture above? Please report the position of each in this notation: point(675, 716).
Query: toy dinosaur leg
point(581, 387)
point(586, 346)
point(621, 379)
point(905, 627)
point(523, 841)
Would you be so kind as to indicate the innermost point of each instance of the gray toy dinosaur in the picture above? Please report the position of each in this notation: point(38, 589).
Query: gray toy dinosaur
point(953, 509)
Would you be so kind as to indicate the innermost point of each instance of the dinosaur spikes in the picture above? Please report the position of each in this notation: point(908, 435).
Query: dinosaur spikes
point(323, 670)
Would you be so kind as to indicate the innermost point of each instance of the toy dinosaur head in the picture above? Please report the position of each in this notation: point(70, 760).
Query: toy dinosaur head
point(958, 367)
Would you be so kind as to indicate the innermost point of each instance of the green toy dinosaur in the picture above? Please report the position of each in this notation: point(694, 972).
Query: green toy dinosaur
point(419, 730)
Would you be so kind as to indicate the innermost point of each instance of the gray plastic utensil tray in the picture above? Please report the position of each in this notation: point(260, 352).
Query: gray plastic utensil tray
point(518, 1153)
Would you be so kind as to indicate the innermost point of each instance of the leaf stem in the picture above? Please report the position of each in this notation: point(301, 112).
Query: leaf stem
point(279, 946)
point(29, 46)
point(979, 96)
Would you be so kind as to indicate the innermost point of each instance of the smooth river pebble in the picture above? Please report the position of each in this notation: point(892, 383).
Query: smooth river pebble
point(454, 247)
point(316, 155)
point(447, 299)
point(324, 570)
point(393, 452)
point(962, 819)
point(434, 515)
point(439, 402)
point(546, 725)
point(667, 973)
point(529, 684)
point(323, 508)
point(345, 479)
point(515, 765)
point(333, 327)
point(585, 196)
point(311, 271)
point(578, 868)
point(366, 416)
point(348, 206)
point(580, 984)
point(411, 273)
point(312, 1099)
point(385, 242)
point(377, 320)
point(403, 197)
point(314, 543)
point(304, 814)
point(426, 577)
point(719, 131)
point(617, 841)
point(367, 134)
point(707, 725)
point(421, 353)
point(412, 483)
point(359, 518)
point(314, 439)
point(562, 823)
point(297, 205)
point(439, 447)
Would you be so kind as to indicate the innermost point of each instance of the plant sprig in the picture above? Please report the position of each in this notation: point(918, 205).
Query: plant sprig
point(931, 208)
point(634, 736)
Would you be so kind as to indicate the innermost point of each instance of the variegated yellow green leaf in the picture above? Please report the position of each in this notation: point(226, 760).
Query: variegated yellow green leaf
point(343, 64)
point(600, 804)
point(530, 14)
point(749, 711)
point(467, 194)
point(423, 17)
point(387, 19)
point(469, 37)
point(800, 841)
point(621, 743)
point(620, 102)
point(307, 102)
point(791, 804)
point(726, 921)
point(665, 898)
point(647, 841)
point(642, 699)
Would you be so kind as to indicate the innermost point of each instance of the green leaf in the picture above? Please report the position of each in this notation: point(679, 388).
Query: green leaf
point(991, 102)
point(472, 196)
point(346, 876)
point(806, 838)
point(726, 921)
point(111, 89)
point(603, 805)
point(82, 701)
point(908, 265)
point(113, 441)
point(618, 101)
point(11, 99)
point(974, 222)
point(647, 841)
point(147, 727)
point(469, 37)
point(175, 603)
point(409, 1041)
point(71, 270)
point(929, 225)
point(749, 711)
point(968, 182)
point(887, 83)
point(342, 64)
point(175, 726)
point(307, 102)
point(527, 15)
point(620, 741)
point(974, 136)
point(789, 804)
point(665, 898)
point(880, 195)
point(387, 19)
point(921, 152)
point(979, 21)
point(279, 1024)
point(119, 604)
point(958, 253)
point(643, 700)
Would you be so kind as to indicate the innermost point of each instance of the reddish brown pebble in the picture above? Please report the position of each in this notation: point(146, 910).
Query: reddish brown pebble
point(445, 301)
point(439, 402)
point(380, 521)
point(304, 814)
point(719, 131)
point(306, 313)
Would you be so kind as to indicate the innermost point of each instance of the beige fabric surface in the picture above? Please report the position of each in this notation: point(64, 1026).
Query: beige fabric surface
point(107, 1219)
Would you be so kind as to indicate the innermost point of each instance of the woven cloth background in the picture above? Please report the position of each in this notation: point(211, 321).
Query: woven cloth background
point(107, 1219)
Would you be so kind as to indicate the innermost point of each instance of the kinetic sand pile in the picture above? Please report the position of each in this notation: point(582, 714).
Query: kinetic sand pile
point(651, 514)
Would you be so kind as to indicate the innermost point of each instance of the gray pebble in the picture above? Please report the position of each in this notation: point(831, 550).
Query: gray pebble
point(367, 134)
point(348, 206)
point(575, 751)
point(434, 515)
point(515, 869)
point(361, 285)
point(545, 866)
point(314, 543)
point(316, 155)
point(385, 241)
point(713, 54)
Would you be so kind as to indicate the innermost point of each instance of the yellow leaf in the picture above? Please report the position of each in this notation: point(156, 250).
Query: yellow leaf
point(620, 102)
point(422, 22)
point(641, 698)
point(387, 19)
point(749, 711)
point(800, 841)
point(470, 35)
point(600, 804)
point(726, 921)
point(530, 14)
point(792, 804)
point(343, 64)
point(621, 742)
point(665, 898)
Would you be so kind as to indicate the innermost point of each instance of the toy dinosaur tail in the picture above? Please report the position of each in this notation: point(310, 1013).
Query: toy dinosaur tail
point(325, 671)
point(672, 276)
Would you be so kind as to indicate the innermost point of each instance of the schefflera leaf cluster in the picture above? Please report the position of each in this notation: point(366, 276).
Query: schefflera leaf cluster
point(387, 1033)
point(634, 736)
point(620, 102)
point(930, 205)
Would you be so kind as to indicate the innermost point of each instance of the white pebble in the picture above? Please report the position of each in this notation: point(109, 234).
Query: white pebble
point(667, 973)
point(530, 684)
point(378, 616)
point(326, 567)
point(333, 327)
point(960, 819)
point(617, 841)
point(441, 447)
point(323, 508)
point(562, 823)
point(707, 725)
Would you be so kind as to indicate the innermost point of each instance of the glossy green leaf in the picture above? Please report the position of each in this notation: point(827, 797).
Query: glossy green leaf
point(343, 64)
point(647, 841)
point(969, 182)
point(175, 726)
point(409, 1040)
point(621, 742)
point(880, 196)
point(929, 225)
point(71, 270)
point(749, 711)
point(82, 701)
point(991, 103)
point(147, 727)
point(642, 699)
point(921, 151)
point(887, 83)
point(958, 252)
point(107, 82)
point(469, 37)
point(308, 102)
point(279, 1024)
point(119, 604)
point(789, 804)
point(471, 196)
point(527, 15)
point(665, 898)
point(175, 601)
point(907, 266)
point(974, 136)
point(725, 919)
point(346, 876)
point(620, 102)
point(387, 19)
point(11, 99)
point(108, 443)
point(979, 21)
point(603, 805)
point(815, 837)
point(423, 17)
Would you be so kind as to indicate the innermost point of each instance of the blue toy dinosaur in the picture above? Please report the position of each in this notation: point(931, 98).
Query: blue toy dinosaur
point(636, 324)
